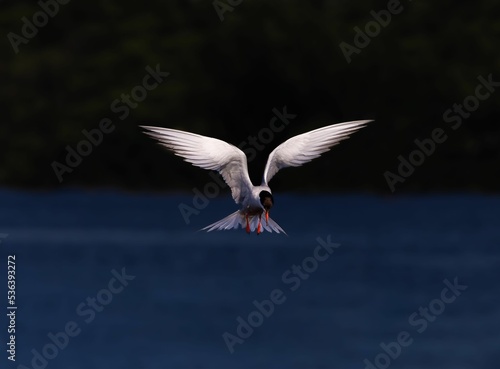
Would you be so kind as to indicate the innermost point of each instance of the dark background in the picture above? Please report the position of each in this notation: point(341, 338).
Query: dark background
point(227, 76)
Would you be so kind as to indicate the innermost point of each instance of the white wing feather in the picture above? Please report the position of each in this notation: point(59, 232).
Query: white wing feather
point(303, 148)
point(208, 153)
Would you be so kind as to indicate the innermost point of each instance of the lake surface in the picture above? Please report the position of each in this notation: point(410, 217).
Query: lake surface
point(181, 289)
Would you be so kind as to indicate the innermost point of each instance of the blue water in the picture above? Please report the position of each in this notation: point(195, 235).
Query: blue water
point(190, 287)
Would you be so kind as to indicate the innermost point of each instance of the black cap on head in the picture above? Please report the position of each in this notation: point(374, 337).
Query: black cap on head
point(266, 199)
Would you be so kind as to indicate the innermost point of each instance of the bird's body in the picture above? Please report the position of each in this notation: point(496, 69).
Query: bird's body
point(250, 214)
point(255, 201)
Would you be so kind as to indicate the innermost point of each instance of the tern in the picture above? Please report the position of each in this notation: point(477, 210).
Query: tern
point(231, 163)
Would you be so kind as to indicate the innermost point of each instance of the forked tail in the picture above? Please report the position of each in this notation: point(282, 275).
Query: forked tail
point(238, 218)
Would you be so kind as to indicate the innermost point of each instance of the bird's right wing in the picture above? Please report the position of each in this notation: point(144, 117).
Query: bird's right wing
point(208, 153)
point(303, 148)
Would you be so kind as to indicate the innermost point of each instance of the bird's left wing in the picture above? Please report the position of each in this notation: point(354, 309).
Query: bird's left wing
point(208, 153)
point(303, 148)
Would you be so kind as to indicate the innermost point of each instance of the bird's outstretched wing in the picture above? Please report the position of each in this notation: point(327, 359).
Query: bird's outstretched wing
point(208, 153)
point(303, 148)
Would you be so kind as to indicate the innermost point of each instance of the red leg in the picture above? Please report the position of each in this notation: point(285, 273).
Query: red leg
point(248, 225)
point(259, 227)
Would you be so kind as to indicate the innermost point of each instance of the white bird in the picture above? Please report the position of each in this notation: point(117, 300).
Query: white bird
point(214, 154)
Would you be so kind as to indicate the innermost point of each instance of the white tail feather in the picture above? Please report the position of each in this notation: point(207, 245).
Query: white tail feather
point(236, 219)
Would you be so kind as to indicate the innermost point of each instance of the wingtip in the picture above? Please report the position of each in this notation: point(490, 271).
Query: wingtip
point(147, 128)
point(360, 122)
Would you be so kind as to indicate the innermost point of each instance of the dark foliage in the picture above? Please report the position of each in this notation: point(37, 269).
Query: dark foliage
point(226, 78)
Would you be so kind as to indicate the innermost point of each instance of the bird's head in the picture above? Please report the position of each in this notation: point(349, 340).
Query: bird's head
point(267, 201)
